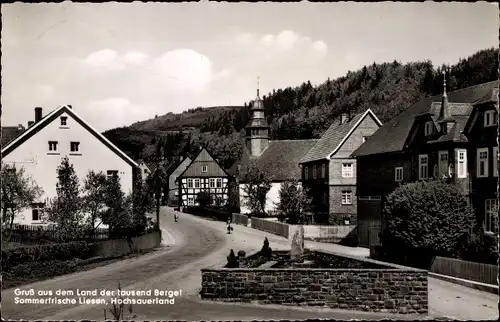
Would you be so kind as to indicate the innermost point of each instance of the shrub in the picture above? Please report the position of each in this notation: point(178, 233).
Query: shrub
point(232, 260)
point(266, 251)
point(423, 220)
point(481, 249)
point(41, 253)
point(38, 270)
point(241, 253)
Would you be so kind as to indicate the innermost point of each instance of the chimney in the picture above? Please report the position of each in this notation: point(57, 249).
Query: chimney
point(20, 127)
point(30, 124)
point(38, 114)
point(344, 118)
point(71, 107)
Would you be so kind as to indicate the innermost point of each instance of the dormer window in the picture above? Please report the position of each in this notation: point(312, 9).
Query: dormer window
point(428, 128)
point(489, 118)
point(64, 121)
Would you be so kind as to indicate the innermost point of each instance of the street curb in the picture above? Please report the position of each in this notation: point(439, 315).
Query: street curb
point(467, 283)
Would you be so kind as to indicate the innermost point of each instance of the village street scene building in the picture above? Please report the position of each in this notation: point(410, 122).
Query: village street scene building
point(175, 169)
point(203, 174)
point(59, 133)
point(452, 136)
point(329, 171)
point(280, 158)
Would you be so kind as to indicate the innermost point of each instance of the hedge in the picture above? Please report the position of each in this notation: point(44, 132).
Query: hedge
point(42, 253)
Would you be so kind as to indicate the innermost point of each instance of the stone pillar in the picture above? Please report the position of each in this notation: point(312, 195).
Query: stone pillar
point(297, 250)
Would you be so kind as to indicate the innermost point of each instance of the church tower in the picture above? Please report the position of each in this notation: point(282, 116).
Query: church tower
point(257, 131)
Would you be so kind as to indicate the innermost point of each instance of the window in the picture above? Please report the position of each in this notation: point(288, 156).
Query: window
point(423, 166)
point(347, 171)
point(196, 183)
point(324, 198)
point(429, 128)
point(323, 171)
point(495, 161)
point(35, 214)
point(346, 197)
point(435, 172)
point(75, 146)
point(145, 170)
point(204, 168)
point(219, 182)
point(462, 163)
point(212, 182)
point(314, 172)
point(111, 173)
point(190, 183)
point(398, 172)
point(443, 163)
point(306, 172)
point(490, 215)
point(489, 118)
point(64, 121)
point(365, 138)
point(190, 201)
point(53, 146)
point(482, 162)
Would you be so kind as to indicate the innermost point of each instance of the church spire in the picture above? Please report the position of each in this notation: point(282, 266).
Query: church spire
point(258, 86)
point(444, 112)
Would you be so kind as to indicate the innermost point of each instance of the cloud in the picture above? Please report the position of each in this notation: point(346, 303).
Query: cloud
point(110, 59)
point(183, 70)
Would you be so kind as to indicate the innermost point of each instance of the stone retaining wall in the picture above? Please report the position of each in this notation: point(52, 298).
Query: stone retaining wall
point(394, 289)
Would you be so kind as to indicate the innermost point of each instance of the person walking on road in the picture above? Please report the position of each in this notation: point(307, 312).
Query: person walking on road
point(176, 215)
point(229, 228)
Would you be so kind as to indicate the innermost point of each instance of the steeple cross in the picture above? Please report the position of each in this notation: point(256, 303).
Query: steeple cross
point(258, 85)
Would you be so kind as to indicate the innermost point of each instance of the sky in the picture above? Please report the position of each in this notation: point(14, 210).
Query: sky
point(119, 63)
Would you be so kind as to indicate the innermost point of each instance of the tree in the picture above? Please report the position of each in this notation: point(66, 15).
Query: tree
point(65, 210)
point(19, 192)
point(257, 185)
point(116, 215)
point(94, 199)
point(425, 219)
point(294, 203)
point(203, 199)
point(143, 202)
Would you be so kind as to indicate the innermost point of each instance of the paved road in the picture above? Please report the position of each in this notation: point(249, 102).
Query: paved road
point(198, 243)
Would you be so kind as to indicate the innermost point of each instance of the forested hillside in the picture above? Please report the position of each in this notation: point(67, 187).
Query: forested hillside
point(305, 111)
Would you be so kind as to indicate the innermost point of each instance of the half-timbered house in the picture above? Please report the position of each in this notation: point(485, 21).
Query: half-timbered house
point(204, 173)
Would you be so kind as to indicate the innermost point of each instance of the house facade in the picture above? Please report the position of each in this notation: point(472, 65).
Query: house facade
point(205, 174)
point(279, 158)
point(144, 169)
point(61, 133)
point(173, 172)
point(329, 171)
point(451, 136)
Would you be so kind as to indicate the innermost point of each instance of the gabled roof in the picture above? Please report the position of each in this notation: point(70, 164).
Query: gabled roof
point(214, 169)
point(9, 133)
point(51, 117)
point(281, 158)
point(392, 136)
point(335, 136)
point(176, 164)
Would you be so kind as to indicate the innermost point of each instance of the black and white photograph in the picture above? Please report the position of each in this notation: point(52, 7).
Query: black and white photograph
point(244, 161)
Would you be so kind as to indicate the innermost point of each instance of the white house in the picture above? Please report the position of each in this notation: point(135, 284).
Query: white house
point(40, 148)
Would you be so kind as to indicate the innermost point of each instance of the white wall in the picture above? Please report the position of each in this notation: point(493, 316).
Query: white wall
point(94, 155)
point(272, 198)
